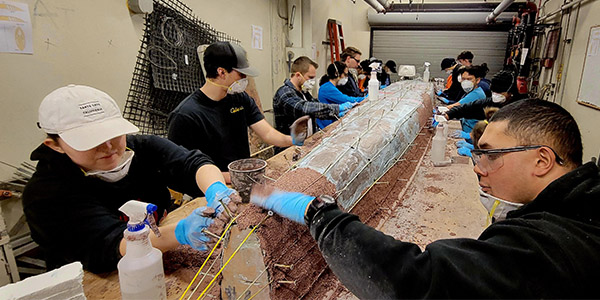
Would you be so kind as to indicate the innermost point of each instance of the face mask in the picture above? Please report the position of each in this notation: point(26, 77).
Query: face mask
point(498, 98)
point(388, 72)
point(459, 78)
point(342, 81)
point(449, 72)
point(119, 172)
point(353, 71)
point(496, 207)
point(467, 85)
point(362, 76)
point(308, 85)
point(239, 86)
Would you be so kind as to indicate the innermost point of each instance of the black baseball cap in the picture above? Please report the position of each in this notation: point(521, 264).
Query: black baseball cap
point(392, 65)
point(229, 55)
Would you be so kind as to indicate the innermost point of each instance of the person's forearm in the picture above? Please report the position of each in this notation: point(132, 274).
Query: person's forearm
point(165, 242)
point(278, 139)
point(227, 177)
point(207, 175)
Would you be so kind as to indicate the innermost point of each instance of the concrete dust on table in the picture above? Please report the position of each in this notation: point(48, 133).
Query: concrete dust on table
point(440, 203)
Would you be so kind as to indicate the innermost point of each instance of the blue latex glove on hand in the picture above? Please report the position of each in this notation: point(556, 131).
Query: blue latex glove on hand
point(217, 188)
point(439, 93)
point(446, 101)
point(459, 134)
point(290, 205)
point(300, 130)
point(464, 151)
point(189, 230)
point(464, 144)
point(383, 86)
point(346, 106)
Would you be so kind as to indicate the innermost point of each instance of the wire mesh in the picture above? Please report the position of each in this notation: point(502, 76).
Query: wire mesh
point(167, 68)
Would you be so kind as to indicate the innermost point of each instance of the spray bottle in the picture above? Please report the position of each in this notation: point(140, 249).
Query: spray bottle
point(426, 72)
point(438, 146)
point(141, 273)
point(374, 82)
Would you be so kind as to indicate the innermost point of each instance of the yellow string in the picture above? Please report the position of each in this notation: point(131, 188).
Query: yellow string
point(491, 214)
point(208, 257)
point(227, 262)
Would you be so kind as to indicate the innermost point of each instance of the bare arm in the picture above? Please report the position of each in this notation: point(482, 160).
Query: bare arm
point(270, 135)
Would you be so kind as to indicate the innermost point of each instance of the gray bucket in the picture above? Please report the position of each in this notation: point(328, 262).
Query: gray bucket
point(244, 173)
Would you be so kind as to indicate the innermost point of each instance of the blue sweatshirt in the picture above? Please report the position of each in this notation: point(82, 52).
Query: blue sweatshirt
point(474, 95)
point(328, 93)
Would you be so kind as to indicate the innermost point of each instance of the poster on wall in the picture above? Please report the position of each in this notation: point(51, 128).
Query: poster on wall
point(257, 37)
point(589, 89)
point(15, 28)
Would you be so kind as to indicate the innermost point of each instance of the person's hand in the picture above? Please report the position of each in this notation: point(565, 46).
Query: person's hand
point(346, 106)
point(290, 205)
point(190, 231)
point(217, 189)
point(300, 130)
point(459, 134)
point(465, 144)
point(383, 86)
point(446, 101)
point(439, 92)
point(464, 151)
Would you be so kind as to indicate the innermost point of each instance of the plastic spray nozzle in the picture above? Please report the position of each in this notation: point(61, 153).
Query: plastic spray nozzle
point(375, 66)
point(140, 214)
point(427, 64)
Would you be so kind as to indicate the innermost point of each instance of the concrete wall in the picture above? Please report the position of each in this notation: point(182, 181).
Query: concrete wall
point(567, 70)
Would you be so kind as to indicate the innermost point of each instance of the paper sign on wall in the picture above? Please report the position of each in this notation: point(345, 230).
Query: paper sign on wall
point(257, 37)
point(15, 28)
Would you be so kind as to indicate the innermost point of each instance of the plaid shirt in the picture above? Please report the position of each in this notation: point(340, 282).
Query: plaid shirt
point(290, 104)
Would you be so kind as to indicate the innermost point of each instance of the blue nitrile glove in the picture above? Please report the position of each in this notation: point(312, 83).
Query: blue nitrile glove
point(189, 230)
point(439, 92)
point(383, 86)
point(434, 123)
point(459, 134)
point(346, 106)
point(446, 101)
point(465, 144)
point(464, 151)
point(290, 205)
point(217, 188)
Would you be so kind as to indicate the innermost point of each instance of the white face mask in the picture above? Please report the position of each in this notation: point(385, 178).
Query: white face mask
point(498, 98)
point(459, 78)
point(362, 76)
point(449, 72)
point(342, 81)
point(353, 71)
point(239, 86)
point(308, 85)
point(496, 207)
point(119, 172)
point(467, 85)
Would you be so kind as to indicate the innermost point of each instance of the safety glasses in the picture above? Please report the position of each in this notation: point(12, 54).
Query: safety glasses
point(489, 160)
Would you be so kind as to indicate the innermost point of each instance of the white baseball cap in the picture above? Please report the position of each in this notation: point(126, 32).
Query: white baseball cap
point(82, 116)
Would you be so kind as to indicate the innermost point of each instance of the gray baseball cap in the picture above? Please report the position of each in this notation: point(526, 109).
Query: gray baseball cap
point(229, 55)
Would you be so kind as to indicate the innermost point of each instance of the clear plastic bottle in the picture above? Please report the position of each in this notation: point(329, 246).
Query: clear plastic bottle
point(373, 87)
point(426, 72)
point(141, 273)
point(438, 146)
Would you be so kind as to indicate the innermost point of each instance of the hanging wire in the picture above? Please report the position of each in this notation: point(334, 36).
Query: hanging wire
point(161, 52)
point(179, 37)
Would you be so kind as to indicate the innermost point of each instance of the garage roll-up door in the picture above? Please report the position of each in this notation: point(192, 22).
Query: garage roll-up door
point(413, 47)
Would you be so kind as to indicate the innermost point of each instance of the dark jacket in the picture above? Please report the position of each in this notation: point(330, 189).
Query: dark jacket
point(74, 217)
point(547, 249)
point(475, 109)
point(351, 88)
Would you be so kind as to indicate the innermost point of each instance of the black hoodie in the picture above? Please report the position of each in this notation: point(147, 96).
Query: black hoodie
point(549, 248)
point(74, 217)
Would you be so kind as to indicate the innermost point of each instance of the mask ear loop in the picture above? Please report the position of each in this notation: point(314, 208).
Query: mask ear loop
point(492, 211)
point(337, 71)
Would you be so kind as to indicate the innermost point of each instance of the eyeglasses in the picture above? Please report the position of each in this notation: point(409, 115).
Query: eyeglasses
point(357, 61)
point(489, 160)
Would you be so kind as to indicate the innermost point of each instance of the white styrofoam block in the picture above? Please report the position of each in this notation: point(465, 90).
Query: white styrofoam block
point(66, 281)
